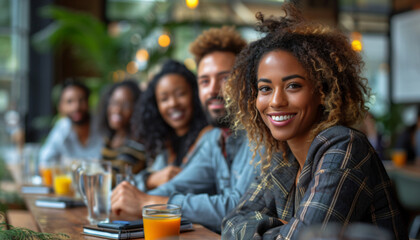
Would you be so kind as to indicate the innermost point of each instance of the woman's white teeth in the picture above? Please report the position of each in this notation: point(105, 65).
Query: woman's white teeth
point(176, 114)
point(116, 117)
point(281, 118)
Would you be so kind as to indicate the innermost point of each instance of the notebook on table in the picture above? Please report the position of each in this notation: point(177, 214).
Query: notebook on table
point(35, 189)
point(58, 202)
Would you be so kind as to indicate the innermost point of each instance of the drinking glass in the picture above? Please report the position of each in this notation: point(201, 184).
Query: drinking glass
point(127, 175)
point(30, 163)
point(62, 181)
point(62, 177)
point(399, 157)
point(46, 170)
point(161, 221)
point(95, 179)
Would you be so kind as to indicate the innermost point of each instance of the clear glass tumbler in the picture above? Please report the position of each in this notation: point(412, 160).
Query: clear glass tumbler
point(161, 221)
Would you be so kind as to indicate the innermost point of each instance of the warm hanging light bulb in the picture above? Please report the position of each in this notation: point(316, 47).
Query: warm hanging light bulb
point(142, 55)
point(356, 43)
point(132, 67)
point(164, 40)
point(192, 4)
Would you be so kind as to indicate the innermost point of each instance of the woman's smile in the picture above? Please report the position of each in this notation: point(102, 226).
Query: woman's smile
point(281, 119)
point(174, 101)
point(286, 100)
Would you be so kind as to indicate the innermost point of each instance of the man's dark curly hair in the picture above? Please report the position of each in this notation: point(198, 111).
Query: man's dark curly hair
point(149, 126)
point(332, 65)
point(224, 39)
point(103, 124)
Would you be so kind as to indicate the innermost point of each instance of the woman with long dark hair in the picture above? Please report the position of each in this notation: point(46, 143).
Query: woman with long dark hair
point(115, 112)
point(169, 119)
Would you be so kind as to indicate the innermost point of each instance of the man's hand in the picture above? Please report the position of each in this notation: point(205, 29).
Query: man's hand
point(160, 177)
point(127, 201)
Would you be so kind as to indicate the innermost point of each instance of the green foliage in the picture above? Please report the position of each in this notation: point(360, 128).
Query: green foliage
point(8, 199)
point(16, 233)
point(4, 173)
point(90, 41)
point(87, 35)
point(391, 122)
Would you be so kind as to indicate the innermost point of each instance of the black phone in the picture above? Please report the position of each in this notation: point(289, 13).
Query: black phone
point(122, 225)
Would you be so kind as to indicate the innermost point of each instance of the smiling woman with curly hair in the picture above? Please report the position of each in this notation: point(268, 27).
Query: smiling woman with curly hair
point(297, 92)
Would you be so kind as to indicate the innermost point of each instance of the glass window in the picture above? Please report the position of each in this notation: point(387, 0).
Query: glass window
point(13, 58)
point(4, 13)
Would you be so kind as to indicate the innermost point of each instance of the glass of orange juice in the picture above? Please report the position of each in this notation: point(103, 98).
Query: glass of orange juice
point(161, 221)
point(62, 182)
point(46, 171)
point(399, 157)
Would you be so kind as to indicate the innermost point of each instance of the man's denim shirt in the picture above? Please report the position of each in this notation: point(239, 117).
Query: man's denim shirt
point(211, 185)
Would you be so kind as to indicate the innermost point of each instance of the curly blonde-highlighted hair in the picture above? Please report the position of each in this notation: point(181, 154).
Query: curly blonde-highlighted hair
point(333, 66)
point(225, 39)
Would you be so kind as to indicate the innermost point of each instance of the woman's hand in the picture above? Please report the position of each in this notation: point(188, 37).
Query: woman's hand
point(160, 177)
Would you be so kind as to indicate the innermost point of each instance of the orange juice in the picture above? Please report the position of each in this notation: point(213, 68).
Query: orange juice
point(399, 158)
point(62, 185)
point(165, 226)
point(46, 174)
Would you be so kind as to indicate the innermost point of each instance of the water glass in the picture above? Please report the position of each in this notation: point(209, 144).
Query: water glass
point(127, 175)
point(161, 221)
point(95, 179)
point(30, 163)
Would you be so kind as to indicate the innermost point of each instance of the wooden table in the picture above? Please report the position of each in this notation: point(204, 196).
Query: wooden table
point(71, 221)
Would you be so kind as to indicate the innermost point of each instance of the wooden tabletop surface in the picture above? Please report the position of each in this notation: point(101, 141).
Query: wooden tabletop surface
point(70, 221)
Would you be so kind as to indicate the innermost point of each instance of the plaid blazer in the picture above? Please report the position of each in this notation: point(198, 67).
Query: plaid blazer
point(342, 181)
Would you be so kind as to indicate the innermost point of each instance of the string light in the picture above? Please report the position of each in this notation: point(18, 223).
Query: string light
point(190, 64)
point(192, 4)
point(142, 55)
point(356, 43)
point(132, 67)
point(118, 75)
point(164, 40)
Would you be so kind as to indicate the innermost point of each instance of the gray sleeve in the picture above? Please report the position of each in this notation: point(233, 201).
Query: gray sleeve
point(51, 149)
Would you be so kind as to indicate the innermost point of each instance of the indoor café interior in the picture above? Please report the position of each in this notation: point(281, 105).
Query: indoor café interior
point(210, 119)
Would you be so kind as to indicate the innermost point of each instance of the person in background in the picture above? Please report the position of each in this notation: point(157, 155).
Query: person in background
point(408, 141)
point(170, 121)
point(115, 113)
point(300, 90)
point(219, 171)
point(368, 127)
point(73, 136)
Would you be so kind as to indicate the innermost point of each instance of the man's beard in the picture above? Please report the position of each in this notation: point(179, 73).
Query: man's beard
point(221, 121)
point(85, 119)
